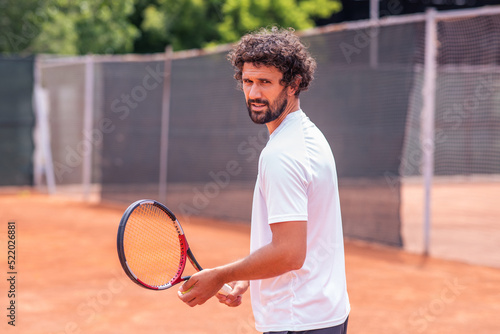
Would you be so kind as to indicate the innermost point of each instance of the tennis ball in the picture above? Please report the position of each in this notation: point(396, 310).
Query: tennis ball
point(184, 292)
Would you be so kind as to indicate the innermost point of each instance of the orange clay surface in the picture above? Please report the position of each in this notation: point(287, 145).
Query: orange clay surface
point(69, 280)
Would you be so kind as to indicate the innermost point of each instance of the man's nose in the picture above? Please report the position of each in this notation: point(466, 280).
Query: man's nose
point(254, 93)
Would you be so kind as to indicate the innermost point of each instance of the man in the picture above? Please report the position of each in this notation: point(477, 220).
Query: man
point(295, 270)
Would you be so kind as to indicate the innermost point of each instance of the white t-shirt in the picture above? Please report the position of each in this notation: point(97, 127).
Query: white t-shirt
point(297, 181)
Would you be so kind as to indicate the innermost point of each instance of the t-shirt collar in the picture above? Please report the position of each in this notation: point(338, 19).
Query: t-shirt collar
point(291, 116)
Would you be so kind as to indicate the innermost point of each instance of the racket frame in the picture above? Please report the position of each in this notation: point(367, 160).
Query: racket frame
point(186, 252)
point(184, 249)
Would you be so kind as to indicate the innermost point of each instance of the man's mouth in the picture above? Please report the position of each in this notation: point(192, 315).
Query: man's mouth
point(256, 106)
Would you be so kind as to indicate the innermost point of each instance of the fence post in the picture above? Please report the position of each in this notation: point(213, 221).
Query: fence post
point(165, 115)
point(88, 120)
point(374, 31)
point(428, 114)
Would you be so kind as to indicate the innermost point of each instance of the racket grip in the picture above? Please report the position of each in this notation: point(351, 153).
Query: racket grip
point(226, 289)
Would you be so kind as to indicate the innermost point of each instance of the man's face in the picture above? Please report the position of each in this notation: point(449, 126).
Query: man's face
point(266, 97)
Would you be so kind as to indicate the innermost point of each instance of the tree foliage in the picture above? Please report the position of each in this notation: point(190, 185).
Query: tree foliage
point(67, 26)
point(16, 30)
point(242, 16)
point(78, 27)
point(144, 26)
point(184, 24)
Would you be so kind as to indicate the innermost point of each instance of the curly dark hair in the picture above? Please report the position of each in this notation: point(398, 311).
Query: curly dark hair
point(276, 47)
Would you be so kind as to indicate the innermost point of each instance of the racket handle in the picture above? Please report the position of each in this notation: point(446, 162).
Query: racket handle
point(226, 289)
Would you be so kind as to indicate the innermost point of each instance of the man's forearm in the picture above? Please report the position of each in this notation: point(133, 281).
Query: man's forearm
point(264, 263)
point(276, 258)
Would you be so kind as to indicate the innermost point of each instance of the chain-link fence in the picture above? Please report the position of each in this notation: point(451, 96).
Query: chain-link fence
point(174, 127)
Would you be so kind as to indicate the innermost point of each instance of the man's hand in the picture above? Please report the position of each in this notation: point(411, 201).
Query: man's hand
point(234, 298)
point(200, 287)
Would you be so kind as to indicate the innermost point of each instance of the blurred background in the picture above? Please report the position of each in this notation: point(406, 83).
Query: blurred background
point(105, 102)
point(115, 100)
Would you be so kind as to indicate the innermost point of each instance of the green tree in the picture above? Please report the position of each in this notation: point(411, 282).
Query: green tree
point(188, 24)
point(184, 24)
point(243, 16)
point(80, 27)
point(144, 26)
point(17, 31)
point(67, 26)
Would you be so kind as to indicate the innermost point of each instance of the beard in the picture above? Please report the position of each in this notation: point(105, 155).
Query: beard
point(271, 113)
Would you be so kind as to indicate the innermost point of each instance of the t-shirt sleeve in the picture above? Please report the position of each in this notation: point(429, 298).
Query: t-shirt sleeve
point(284, 186)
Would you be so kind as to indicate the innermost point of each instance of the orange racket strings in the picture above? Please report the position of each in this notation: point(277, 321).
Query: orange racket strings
point(151, 245)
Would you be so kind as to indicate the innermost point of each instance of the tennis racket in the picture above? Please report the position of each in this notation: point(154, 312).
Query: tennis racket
point(152, 247)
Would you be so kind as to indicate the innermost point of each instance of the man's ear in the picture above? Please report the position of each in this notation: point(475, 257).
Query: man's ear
point(294, 86)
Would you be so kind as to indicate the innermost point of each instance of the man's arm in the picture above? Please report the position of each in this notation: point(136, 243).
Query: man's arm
point(286, 251)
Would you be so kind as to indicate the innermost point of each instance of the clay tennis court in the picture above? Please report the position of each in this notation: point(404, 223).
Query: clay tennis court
point(69, 280)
